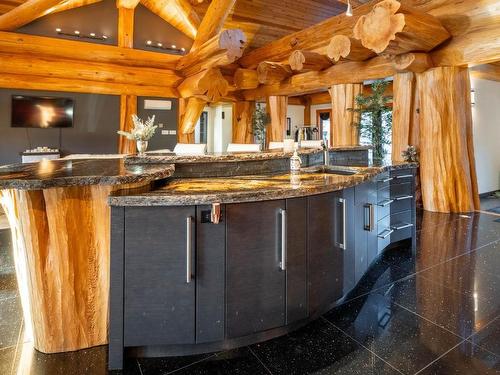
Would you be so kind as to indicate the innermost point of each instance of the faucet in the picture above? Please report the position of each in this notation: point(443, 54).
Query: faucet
point(326, 153)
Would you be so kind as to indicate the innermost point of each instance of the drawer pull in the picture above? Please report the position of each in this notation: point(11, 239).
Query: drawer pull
point(401, 226)
point(283, 240)
point(343, 244)
point(385, 203)
point(404, 176)
point(386, 233)
point(386, 179)
point(403, 197)
point(189, 247)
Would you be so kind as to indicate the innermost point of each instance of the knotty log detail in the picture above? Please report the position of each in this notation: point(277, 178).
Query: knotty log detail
point(209, 85)
point(348, 48)
point(242, 121)
point(303, 61)
point(246, 79)
point(344, 132)
point(273, 72)
point(222, 49)
point(276, 107)
point(447, 167)
point(412, 62)
point(394, 29)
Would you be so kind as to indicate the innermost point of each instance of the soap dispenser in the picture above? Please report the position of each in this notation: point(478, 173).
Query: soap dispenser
point(295, 162)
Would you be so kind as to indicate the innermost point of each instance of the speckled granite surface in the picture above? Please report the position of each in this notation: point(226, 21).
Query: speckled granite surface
point(229, 157)
point(61, 173)
point(190, 191)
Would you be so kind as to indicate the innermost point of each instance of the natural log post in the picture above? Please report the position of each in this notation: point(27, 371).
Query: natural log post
point(189, 114)
point(386, 30)
point(223, 49)
point(128, 107)
point(303, 61)
point(276, 107)
point(347, 48)
point(412, 62)
point(343, 131)
point(447, 167)
point(245, 79)
point(273, 72)
point(209, 85)
point(242, 121)
point(403, 113)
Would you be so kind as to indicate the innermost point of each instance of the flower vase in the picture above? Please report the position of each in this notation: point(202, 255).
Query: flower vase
point(142, 146)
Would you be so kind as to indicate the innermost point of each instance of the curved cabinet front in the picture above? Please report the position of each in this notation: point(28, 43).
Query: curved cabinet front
point(181, 284)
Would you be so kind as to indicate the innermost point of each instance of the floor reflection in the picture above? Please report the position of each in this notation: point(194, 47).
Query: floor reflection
point(436, 312)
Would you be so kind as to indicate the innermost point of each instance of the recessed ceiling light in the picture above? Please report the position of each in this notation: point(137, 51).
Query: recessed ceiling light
point(92, 34)
point(77, 32)
point(174, 46)
point(159, 44)
point(149, 42)
point(58, 30)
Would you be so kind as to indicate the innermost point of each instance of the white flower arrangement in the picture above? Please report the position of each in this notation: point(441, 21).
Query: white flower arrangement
point(142, 131)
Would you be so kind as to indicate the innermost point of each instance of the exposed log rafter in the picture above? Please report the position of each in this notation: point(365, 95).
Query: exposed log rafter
point(25, 13)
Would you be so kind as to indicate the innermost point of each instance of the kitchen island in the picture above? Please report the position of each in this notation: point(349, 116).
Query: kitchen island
point(208, 264)
point(198, 263)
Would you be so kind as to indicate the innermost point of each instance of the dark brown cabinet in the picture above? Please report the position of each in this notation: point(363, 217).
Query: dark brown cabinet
point(159, 302)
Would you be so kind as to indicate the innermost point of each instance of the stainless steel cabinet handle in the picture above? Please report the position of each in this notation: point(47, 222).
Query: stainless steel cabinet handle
point(370, 218)
point(283, 240)
point(402, 226)
point(387, 179)
point(385, 202)
point(403, 197)
point(189, 247)
point(384, 236)
point(343, 244)
point(404, 176)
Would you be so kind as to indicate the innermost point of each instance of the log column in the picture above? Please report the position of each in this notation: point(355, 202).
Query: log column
point(242, 122)
point(343, 131)
point(128, 103)
point(447, 168)
point(189, 113)
point(404, 114)
point(276, 107)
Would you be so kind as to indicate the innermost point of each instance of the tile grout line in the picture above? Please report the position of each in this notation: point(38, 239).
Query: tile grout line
point(438, 358)
point(256, 356)
point(192, 363)
point(363, 346)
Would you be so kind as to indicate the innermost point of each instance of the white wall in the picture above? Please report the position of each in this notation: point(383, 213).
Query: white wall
point(222, 130)
point(486, 128)
point(296, 114)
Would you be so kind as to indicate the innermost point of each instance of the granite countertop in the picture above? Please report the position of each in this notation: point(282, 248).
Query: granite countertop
point(62, 173)
point(191, 191)
point(156, 158)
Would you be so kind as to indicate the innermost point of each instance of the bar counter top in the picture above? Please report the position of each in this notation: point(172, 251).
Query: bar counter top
point(238, 189)
point(79, 172)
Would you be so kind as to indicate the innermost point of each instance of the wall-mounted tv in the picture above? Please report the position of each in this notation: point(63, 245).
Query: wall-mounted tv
point(41, 112)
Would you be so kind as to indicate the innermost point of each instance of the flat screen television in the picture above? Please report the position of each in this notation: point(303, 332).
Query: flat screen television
point(41, 112)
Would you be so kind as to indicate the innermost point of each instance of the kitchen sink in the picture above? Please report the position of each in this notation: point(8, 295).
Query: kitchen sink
point(330, 169)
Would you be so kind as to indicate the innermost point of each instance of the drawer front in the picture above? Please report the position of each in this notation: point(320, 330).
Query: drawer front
point(402, 196)
point(401, 176)
point(384, 202)
point(383, 180)
point(402, 226)
point(384, 233)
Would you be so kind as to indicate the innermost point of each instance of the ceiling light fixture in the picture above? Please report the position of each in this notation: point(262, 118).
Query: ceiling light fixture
point(149, 42)
point(348, 12)
point(77, 32)
point(92, 34)
point(58, 30)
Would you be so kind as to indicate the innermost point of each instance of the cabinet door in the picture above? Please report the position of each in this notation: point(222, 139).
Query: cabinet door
point(345, 235)
point(159, 303)
point(325, 257)
point(255, 282)
point(365, 226)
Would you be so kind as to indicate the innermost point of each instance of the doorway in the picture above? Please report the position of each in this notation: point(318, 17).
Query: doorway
point(323, 122)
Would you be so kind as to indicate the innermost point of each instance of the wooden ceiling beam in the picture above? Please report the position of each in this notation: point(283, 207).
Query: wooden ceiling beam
point(486, 71)
point(127, 4)
point(25, 13)
point(72, 4)
point(178, 13)
point(54, 48)
point(304, 83)
point(213, 21)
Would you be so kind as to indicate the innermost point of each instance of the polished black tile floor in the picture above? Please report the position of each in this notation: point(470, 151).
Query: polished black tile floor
point(434, 313)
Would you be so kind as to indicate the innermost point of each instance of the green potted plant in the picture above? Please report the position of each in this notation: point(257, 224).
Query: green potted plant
point(375, 118)
point(260, 119)
point(141, 133)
